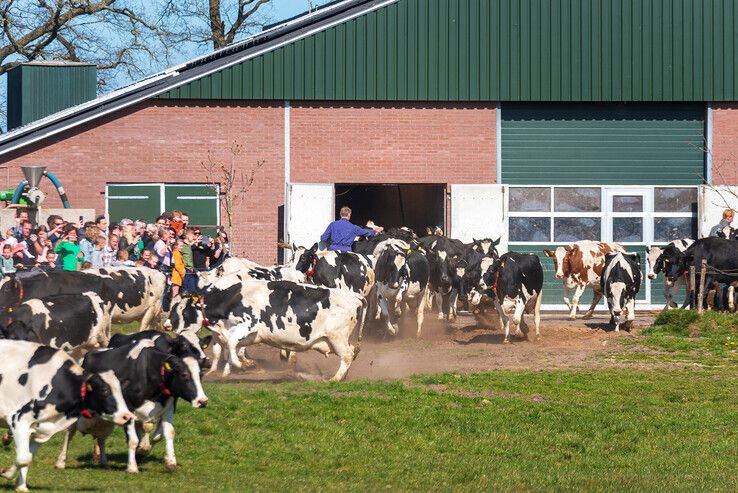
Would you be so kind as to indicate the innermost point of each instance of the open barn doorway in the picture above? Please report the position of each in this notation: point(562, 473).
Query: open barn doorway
point(394, 205)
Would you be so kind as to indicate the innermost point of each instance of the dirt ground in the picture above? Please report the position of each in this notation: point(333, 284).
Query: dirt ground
point(460, 346)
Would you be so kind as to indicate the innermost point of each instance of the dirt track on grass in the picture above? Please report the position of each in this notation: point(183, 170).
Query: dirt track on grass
point(460, 346)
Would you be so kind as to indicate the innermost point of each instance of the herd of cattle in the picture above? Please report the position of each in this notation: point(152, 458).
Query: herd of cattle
point(60, 369)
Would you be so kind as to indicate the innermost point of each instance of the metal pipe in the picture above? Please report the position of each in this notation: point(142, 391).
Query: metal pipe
point(18, 192)
point(59, 188)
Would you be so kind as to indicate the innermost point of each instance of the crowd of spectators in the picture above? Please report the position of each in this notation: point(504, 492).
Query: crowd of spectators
point(169, 244)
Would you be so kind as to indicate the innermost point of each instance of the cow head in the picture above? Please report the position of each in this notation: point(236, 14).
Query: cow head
point(101, 393)
point(655, 262)
point(15, 330)
point(486, 246)
point(185, 315)
point(191, 349)
point(180, 382)
point(391, 267)
point(562, 258)
point(673, 263)
point(441, 267)
point(305, 260)
point(11, 291)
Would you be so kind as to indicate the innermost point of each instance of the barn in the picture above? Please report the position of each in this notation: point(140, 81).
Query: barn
point(539, 121)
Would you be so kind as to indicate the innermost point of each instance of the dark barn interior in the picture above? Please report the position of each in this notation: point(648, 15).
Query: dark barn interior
point(394, 205)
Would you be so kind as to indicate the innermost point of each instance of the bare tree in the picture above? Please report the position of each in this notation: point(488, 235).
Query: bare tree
point(219, 23)
point(121, 37)
point(229, 178)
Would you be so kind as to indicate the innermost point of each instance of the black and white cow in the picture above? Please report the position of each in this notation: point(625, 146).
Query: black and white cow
point(720, 254)
point(251, 270)
point(402, 275)
point(472, 288)
point(620, 283)
point(190, 350)
point(43, 391)
point(152, 380)
point(366, 245)
point(515, 283)
point(135, 294)
point(75, 323)
point(658, 259)
point(332, 269)
point(283, 314)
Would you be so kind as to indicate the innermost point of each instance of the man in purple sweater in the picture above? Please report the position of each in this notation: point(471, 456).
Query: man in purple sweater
point(340, 234)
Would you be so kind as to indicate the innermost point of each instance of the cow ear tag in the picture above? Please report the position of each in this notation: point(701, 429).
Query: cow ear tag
point(10, 310)
point(89, 388)
point(409, 251)
point(205, 346)
point(167, 366)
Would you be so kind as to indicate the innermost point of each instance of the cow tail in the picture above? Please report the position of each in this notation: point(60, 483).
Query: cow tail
point(361, 316)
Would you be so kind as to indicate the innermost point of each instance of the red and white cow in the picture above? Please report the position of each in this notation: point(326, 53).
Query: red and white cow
point(580, 265)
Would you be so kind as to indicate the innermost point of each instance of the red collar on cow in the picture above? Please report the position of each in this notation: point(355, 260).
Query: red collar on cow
point(494, 284)
point(311, 270)
point(205, 321)
point(84, 388)
point(20, 292)
point(162, 386)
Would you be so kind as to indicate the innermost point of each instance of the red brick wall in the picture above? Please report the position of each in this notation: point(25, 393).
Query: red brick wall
point(163, 141)
point(725, 143)
point(393, 142)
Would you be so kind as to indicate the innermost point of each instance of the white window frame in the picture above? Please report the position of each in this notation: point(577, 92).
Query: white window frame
point(606, 214)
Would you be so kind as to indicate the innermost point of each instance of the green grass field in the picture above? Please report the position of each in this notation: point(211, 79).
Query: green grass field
point(661, 427)
point(619, 429)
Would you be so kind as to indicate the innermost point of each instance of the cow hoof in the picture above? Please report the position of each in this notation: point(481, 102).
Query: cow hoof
point(440, 316)
point(7, 439)
point(248, 363)
point(24, 489)
point(143, 451)
point(587, 316)
point(60, 465)
point(357, 348)
point(506, 341)
point(171, 465)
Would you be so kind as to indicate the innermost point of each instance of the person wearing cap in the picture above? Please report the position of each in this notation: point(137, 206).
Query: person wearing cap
point(340, 234)
point(723, 229)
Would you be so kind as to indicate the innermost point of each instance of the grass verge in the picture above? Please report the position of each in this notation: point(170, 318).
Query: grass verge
point(599, 430)
point(682, 335)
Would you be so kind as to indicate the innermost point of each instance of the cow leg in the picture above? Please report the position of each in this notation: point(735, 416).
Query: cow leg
point(24, 450)
point(683, 280)
point(575, 301)
point(167, 423)
point(537, 315)
point(453, 299)
point(669, 290)
point(102, 452)
point(567, 290)
point(148, 316)
point(595, 299)
point(61, 461)
point(439, 304)
point(731, 295)
point(144, 440)
point(630, 306)
point(518, 317)
point(132, 437)
point(420, 312)
point(346, 352)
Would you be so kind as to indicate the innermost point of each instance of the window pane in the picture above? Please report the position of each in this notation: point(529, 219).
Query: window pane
point(666, 229)
point(524, 199)
point(675, 200)
point(627, 203)
point(577, 199)
point(568, 229)
point(530, 229)
point(627, 229)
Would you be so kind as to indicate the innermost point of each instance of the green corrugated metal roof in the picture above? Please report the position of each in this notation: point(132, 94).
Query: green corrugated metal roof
point(500, 50)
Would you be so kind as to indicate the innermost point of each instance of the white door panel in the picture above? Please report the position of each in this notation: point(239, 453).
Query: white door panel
point(311, 209)
point(479, 211)
point(713, 200)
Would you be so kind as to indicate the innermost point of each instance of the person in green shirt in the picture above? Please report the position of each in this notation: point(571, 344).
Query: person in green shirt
point(190, 280)
point(68, 250)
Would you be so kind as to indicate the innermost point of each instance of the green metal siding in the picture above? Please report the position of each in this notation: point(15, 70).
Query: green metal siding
point(501, 50)
point(199, 201)
point(602, 144)
point(36, 91)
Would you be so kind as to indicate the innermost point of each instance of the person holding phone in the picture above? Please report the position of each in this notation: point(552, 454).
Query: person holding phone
point(67, 249)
